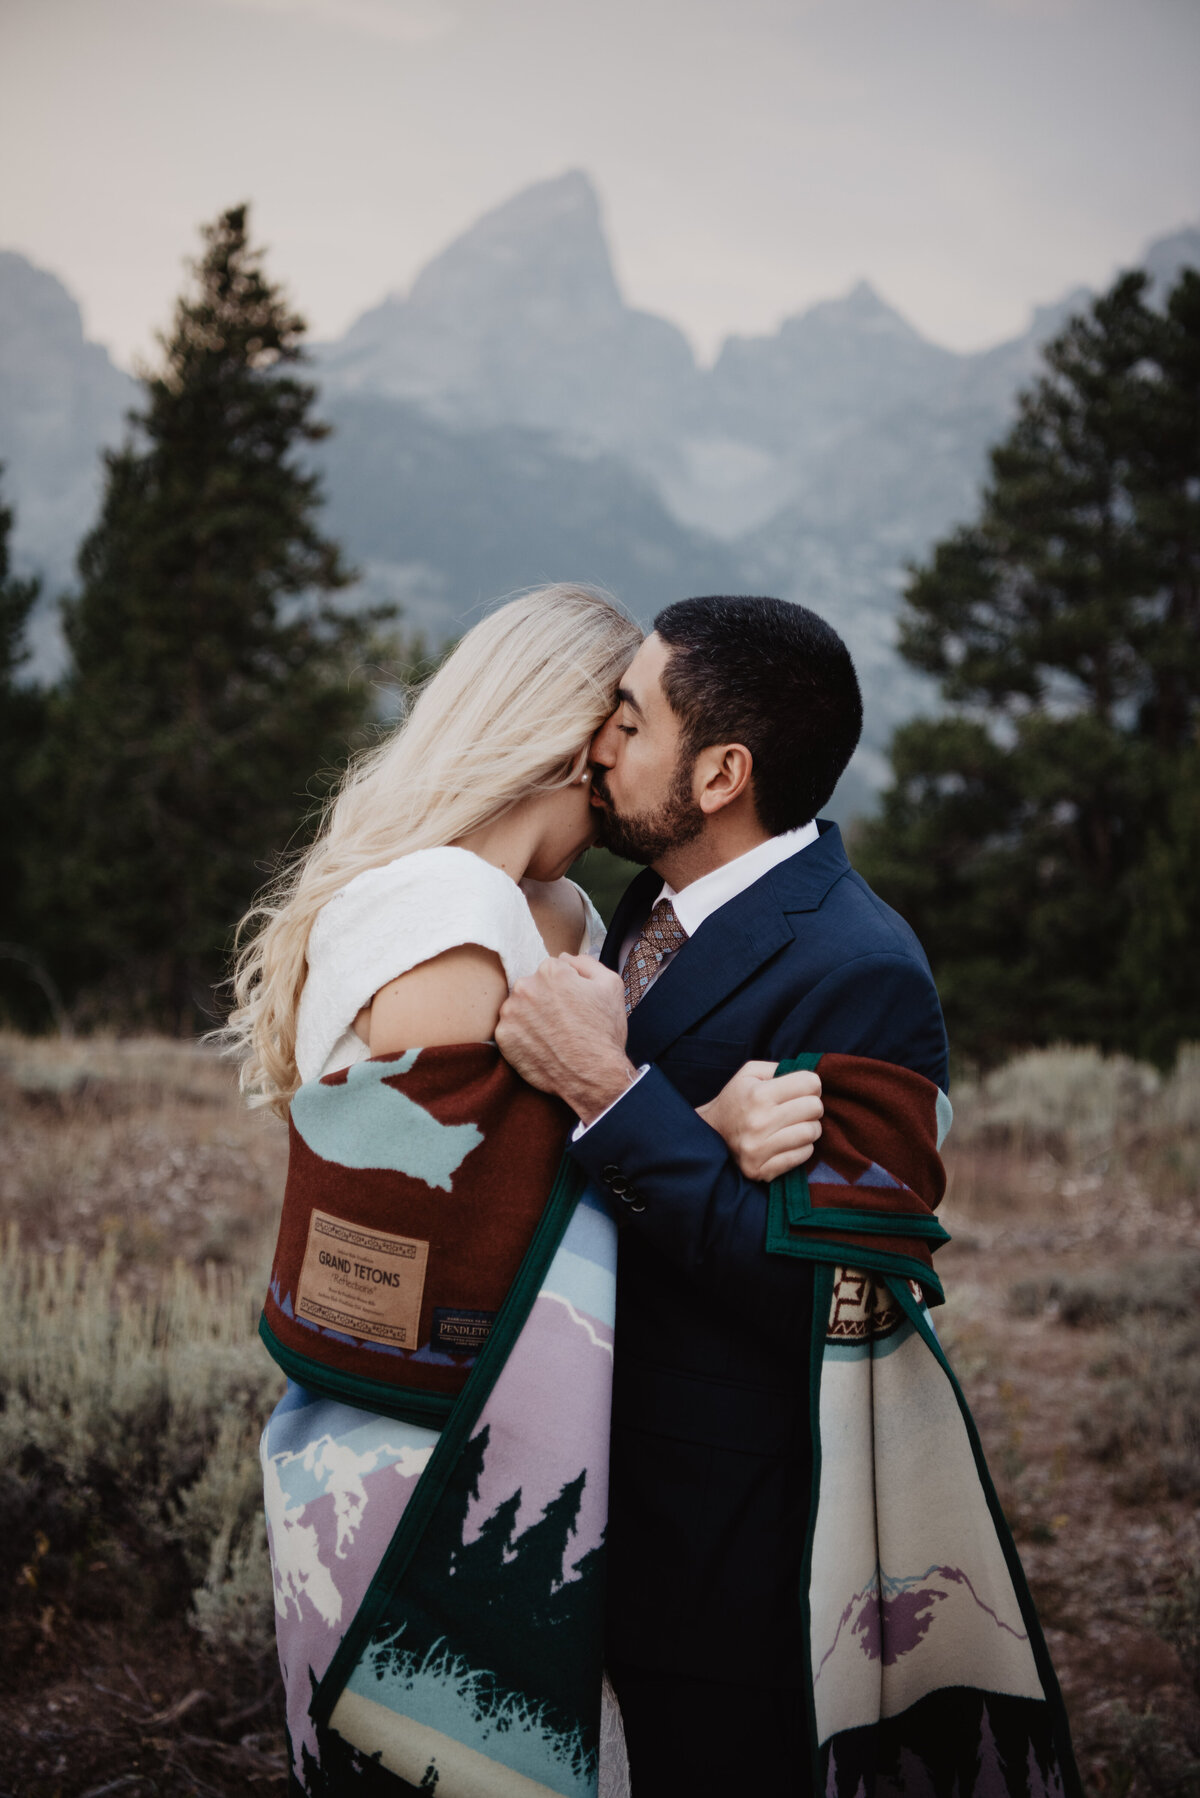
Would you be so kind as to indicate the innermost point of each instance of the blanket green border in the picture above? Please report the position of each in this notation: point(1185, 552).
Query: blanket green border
point(383, 1396)
point(569, 1183)
point(791, 1215)
point(822, 1299)
point(875, 1261)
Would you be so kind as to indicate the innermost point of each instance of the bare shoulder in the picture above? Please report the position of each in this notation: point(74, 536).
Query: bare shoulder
point(558, 911)
point(454, 997)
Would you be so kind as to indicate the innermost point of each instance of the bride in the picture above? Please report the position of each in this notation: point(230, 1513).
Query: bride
point(437, 881)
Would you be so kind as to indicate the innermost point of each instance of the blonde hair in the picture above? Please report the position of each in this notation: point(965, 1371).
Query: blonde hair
point(509, 713)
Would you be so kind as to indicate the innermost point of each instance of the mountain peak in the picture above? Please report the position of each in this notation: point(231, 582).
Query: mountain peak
point(544, 204)
point(545, 246)
point(1168, 256)
point(860, 311)
point(863, 297)
point(33, 298)
point(520, 321)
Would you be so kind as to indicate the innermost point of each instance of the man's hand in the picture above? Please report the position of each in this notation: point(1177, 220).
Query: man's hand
point(563, 1030)
point(769, 1125)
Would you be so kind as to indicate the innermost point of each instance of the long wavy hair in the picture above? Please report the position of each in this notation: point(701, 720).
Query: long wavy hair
point(508, 714)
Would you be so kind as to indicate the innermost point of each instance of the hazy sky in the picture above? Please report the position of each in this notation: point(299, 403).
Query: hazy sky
point(970, 157)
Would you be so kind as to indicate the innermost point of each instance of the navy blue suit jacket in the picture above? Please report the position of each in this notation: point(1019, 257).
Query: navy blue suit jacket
point(711, 1456)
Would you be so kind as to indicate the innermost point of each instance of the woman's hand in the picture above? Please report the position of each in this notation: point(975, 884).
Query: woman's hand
point(769, 1125)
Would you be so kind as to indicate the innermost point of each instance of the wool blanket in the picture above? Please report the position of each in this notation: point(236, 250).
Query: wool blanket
point(928, 1675)
point(415, 1183)
point(436, 1502)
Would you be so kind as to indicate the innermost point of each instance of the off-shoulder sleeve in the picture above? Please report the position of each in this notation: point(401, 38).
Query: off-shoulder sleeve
point(595, 929)
point(390, 919)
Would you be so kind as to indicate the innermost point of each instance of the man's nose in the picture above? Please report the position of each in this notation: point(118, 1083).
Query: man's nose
point(603, 748)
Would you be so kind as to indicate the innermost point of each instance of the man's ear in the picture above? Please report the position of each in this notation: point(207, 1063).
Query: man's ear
point(722, 774)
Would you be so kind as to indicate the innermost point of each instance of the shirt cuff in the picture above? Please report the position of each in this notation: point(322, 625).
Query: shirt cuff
point(581, 1128)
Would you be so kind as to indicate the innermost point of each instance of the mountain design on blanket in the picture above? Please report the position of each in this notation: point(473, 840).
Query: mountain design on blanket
point(891, 1617)
point(310, 1537)
point(823, 1175)
point(365, 1121)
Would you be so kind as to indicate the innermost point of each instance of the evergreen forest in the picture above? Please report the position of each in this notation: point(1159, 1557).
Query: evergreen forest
point(1041, 829)
point(213, 686)
point(1042, 832)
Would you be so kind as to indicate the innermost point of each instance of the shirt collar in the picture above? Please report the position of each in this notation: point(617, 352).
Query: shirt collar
point(703, 897)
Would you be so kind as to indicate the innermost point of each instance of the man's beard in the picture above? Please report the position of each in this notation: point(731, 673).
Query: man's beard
point(645, 836)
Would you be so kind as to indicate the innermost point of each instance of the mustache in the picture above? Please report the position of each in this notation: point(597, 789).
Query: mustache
point(598, 785)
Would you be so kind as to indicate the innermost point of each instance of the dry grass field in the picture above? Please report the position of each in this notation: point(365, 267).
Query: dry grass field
point(137, 1205)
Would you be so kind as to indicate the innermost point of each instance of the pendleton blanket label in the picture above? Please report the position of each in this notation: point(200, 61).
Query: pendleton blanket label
point(366, 1282)
point(462, 1332)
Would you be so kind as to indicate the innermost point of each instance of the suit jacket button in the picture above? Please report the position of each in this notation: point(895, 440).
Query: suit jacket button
point(608, 1174)
point(620, 1185)
point(635, 1201)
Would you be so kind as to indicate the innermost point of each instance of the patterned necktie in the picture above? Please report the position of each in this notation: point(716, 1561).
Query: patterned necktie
point(662, 933)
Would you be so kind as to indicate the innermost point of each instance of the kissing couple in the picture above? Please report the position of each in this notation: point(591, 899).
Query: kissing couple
point(618, 1450)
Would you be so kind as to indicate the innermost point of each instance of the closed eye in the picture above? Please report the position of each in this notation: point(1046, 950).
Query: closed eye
point(627, 730)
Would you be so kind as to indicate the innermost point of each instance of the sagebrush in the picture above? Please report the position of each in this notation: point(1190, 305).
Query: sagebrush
point(128, 1429)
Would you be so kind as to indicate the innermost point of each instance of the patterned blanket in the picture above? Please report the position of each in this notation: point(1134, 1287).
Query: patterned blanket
point(436, 1479)
point(929, 1675)
point(438, 1559)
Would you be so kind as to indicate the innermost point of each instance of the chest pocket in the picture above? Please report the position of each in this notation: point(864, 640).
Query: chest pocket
point(698, 1067)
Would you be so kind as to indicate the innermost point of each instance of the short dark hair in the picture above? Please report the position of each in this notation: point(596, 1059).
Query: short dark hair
point(774, 676)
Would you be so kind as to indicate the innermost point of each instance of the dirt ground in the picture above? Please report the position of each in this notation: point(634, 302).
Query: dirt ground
point(1095, 1561)
point(102, 1695)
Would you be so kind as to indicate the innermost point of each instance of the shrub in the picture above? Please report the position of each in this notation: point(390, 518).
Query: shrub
point(129, 1426)
point(1147, 1415)
point(1161, 1751)
point(1166, 1289)
point(1064, 1097)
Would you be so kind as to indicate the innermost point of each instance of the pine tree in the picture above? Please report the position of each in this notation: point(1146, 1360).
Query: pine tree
point(17, 599)
point(481, 1567)
point(1021, 831)
point(22, 718)
point(573, 1620)
point(990, 1780)
point(541, 1549)
point(442, 1543)
point(831, 1774)
point(211, 675)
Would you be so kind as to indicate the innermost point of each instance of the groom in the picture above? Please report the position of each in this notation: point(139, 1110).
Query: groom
point(748, 936)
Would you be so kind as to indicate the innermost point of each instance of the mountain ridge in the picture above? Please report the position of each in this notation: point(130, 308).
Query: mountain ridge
point(62, 400)
point(510, 419)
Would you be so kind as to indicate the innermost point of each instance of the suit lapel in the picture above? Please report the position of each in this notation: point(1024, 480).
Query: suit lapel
point(632, 910)
point(725, 952)
point(730, 946)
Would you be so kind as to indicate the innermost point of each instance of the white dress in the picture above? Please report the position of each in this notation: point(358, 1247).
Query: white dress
point(384, 922)
point(390, 919)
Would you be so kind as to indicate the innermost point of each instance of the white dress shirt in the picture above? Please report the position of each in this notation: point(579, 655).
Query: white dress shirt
point(707, 895)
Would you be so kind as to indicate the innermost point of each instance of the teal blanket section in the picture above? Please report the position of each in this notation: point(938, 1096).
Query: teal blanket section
point(365, 1122)
point(459, 1701)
